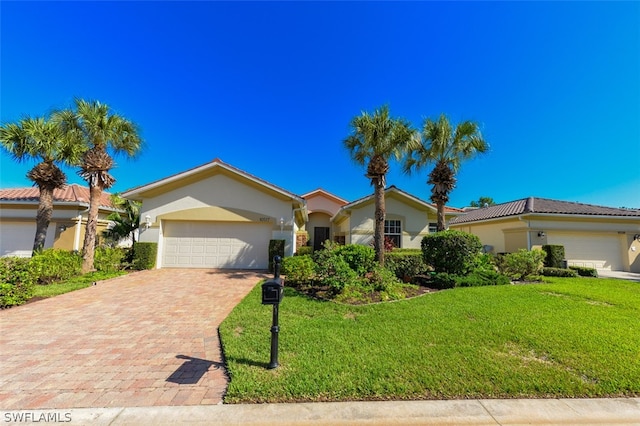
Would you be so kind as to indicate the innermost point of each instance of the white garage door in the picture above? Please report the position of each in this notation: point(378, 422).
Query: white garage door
point(600, 251)
point(16, 239)
point(216, 245)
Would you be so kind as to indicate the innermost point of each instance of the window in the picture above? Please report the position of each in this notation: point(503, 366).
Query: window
point(433, 227)
point(393, 232)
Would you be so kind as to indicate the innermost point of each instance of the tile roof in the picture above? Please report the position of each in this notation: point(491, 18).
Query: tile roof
point(541, 205)
point(73, 193)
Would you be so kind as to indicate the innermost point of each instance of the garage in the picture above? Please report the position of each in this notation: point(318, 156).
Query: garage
point(17, 239)
point(227, 245)
point(593, 250)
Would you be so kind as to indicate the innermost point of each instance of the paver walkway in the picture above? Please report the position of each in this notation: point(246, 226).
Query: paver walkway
point(144, 339)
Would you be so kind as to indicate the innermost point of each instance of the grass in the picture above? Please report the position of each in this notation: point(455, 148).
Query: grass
point(569, 337)
point(54, 289)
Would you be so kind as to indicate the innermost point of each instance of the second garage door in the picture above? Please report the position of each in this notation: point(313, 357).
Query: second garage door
point(226, 245)
point(601, 251)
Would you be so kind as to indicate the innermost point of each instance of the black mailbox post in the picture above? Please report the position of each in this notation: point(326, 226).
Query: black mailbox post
point(272, 292)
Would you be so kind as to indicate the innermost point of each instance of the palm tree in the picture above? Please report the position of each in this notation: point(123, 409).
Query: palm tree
point(124, 226)
point(41, 138)
point(445, 147)
point(374, 140)
point(101, 131)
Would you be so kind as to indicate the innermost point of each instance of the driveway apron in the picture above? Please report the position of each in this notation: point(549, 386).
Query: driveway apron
point(144, 339)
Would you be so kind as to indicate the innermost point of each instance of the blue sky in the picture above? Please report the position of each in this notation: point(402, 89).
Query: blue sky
point(270, 87)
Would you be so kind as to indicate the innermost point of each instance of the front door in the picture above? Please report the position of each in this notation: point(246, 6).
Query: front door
point(320, 235)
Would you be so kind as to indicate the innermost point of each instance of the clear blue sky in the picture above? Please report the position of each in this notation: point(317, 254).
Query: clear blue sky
point(270, 87)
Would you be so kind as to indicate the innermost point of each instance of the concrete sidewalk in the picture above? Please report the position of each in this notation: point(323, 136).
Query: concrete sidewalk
point(615, 411)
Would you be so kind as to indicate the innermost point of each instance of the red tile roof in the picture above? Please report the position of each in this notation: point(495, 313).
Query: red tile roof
point(541, 205)
point(73, 193)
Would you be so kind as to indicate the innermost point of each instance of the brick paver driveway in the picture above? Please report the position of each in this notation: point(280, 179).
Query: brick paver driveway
point(148, 338)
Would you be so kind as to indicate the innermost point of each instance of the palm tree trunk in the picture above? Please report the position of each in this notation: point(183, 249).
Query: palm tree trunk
point(89, 247)
point(378, 236)
point(43, 217)
point(441, 221)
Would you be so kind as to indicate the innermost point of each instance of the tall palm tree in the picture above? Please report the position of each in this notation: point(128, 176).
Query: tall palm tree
point(446, 148)
point(374, 140)
point(102, 131)
point(41, 139)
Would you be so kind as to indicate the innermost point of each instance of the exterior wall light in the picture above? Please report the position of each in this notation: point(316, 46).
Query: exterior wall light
point(281, 224)
point(62, 228)
point(147, 222)
point(541, 234)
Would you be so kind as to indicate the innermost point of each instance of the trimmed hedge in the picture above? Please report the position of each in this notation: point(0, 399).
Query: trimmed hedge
point(406, 264)
point(52, 265)
point(298, 269)
point(17, 281)
point(583, 271)
point(276, 248)
point(451, 251)
point(304, 250)
point(558, 272)
point(144, 255)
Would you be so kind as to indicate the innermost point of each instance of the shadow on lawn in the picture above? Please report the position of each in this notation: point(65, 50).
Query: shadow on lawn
point(192, 370)
point(249, 362)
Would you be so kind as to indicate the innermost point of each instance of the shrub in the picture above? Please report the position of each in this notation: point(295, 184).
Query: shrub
point(406, 264)
point(359, 258)
point(52, 265)
point(442, 280)
point(451, 251)
point(583, 271)
point(298, 269)
point(522, 264)
point(304, 250)
point(480, 277)
point(144, 255)
point(335, 273)
point(16, 281)
point(109, 259)
point(558, 272)
point(381, 279)
point(276, 248)
point(554, 255)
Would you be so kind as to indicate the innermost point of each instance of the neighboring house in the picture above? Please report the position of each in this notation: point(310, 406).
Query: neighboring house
point(217, 216)
point(408, 219)
point(321, 206)
point(593, 236)
point(18, 210)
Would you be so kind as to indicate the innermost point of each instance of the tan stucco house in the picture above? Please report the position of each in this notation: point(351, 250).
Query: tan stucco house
point(217, 216)
point(18, 209)
point(408, 219)
point(592, 236)
point(321, 206)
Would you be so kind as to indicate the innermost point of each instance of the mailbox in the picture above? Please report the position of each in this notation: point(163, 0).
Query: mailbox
point(272, 291)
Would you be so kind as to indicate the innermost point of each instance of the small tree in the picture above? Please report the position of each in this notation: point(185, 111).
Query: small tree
point(483, 202)
point(124, 224)
point(452, 251)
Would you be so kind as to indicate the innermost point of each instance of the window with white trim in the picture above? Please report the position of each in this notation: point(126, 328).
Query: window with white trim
point(393, 231)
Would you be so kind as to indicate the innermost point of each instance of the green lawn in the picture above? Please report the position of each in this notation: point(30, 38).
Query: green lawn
point(50, 290)
point(570, 337)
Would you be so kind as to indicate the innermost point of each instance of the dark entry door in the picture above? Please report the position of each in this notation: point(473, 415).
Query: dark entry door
point(320, 235)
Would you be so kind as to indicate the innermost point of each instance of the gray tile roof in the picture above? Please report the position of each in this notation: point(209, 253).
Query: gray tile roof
point(541, 205)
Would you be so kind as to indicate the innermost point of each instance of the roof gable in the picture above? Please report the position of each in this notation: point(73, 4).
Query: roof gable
point(325, 194)
point(533, 205)
point(202, 172)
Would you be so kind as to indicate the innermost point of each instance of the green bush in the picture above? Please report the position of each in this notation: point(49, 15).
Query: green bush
point(406, 264)
point(583, 271)
point(109, 259)
point(451, 251)
point(276, 248)
point(381, 279)
point(359, 258)
point(480, 277)
point(52, 265)
point(558, 272)
point(298, 269)
point(554, 255)
point(442, 280)
point(304, 250)
point(335, 273)
point(144, 255)
point(521, 264)
point(17, 281)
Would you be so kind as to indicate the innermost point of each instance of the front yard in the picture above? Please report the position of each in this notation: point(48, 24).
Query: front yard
point(568, 337)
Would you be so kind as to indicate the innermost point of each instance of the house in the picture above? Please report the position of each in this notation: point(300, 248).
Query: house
point(18, 210)
point(593, 236)
point(321, 207)
point(217, 216)
point(408, 219)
